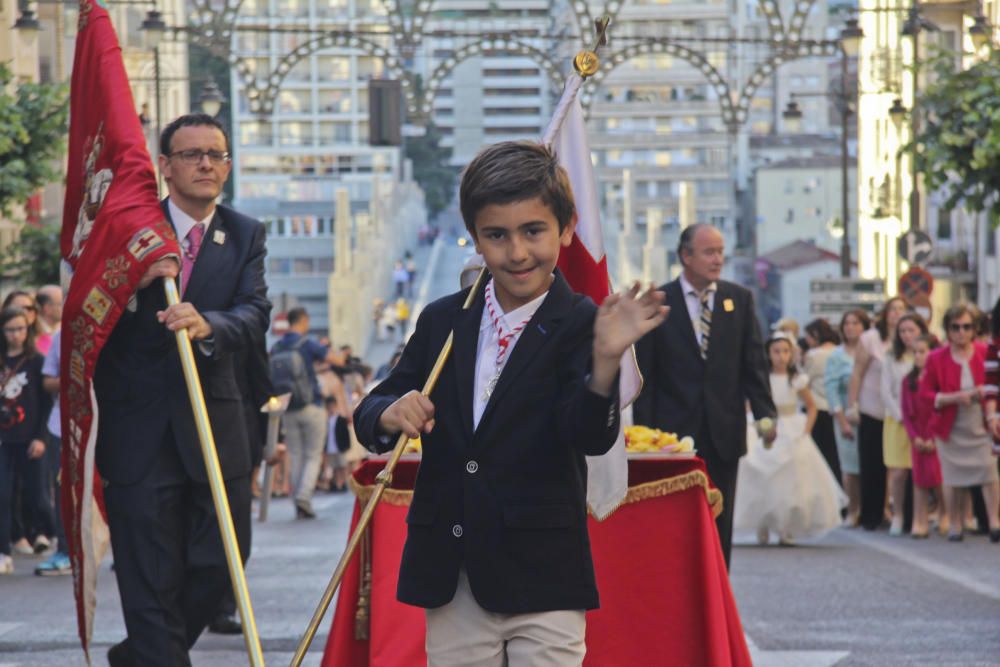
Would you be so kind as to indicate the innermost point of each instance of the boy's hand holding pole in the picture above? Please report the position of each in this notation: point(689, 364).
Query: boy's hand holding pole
point(412, 414)
point(622, 319)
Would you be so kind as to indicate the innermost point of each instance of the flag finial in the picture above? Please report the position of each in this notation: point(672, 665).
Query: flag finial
point(586, 62)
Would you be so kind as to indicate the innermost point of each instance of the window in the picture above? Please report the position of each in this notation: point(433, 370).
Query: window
point(335, 101)
point(790, 216)
point(333, 68)
point(295, 101)
point(256, 134)
point(944, 225)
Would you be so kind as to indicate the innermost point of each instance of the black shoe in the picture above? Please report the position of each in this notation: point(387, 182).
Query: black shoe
point(955, 537)
point(304, 510)
point(119, 655)
point(995, 536)
point(226, 624)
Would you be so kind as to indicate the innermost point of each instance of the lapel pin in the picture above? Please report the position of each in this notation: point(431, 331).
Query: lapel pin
point(542, 329)
point(219, 237)
point(728, 306)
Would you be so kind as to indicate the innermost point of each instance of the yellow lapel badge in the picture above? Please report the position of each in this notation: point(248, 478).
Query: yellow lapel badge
point(728, 306)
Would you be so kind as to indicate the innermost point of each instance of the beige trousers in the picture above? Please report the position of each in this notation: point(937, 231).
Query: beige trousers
point(463, 634)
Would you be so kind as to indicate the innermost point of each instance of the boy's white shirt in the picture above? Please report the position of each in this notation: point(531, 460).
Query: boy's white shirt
point(489, 346)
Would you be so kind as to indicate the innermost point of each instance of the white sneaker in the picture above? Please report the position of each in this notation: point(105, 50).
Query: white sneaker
point(6, 564)
point(41, 544)
point(23, 547)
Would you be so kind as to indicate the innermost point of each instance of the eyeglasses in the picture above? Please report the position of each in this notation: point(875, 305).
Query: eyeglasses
point(193, 156)
point(961, 326)
point(13, 330)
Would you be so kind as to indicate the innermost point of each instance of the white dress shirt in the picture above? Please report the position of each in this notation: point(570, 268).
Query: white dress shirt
point(183, 223)
point(692, 298)
point(489, 346)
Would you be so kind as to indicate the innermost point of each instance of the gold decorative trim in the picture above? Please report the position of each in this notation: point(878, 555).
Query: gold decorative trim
point(664, 487)
point(363, 492)
point(654, 489)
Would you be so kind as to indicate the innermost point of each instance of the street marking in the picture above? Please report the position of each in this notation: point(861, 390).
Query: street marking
point(793, 658)
point(934, 567)
point(7, 627)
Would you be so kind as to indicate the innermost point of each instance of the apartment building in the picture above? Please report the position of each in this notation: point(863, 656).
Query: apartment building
point(490, 94)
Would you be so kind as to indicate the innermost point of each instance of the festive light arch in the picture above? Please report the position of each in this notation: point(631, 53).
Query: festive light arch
point(501, 44)
point(213, 24)
point(695, 58)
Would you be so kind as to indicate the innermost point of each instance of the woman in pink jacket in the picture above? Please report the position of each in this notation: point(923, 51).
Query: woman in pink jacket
point(953, 384)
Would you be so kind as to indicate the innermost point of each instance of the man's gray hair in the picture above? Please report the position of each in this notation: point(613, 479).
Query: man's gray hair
point(686, 240)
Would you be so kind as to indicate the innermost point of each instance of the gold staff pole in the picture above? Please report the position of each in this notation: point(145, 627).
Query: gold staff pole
point(586, 63)
point(216, 483)
point(382, 482)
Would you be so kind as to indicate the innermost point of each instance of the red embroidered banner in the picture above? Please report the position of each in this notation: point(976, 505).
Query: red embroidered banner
point(113, 229)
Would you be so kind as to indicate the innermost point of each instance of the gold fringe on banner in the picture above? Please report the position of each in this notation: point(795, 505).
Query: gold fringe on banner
point(654, 489)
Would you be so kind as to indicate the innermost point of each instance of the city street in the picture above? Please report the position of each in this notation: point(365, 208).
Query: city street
point(854, 598)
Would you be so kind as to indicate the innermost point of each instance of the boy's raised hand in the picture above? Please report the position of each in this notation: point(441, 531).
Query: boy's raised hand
point(625, 317)
point(411, 414)
point(622, 319)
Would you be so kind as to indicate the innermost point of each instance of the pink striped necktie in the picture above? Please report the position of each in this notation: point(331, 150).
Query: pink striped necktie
point(190, 253)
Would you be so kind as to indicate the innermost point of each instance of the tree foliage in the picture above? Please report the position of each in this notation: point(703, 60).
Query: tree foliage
point(33, 123)
point(958, 146)
point(431, 169)
point(33, 260)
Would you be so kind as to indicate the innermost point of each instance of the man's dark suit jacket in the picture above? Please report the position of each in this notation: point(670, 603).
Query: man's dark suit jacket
point(681, 391)
point(507, 501)
point(139, 382)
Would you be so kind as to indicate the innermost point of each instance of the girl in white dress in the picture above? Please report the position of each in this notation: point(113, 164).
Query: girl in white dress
point(786, 489)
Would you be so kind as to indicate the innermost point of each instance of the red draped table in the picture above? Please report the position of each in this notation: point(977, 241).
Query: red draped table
point(665, 595)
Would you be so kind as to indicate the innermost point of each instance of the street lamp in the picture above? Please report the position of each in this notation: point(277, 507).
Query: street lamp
point(897, 112)
point(912, 27)
point(27, 24)
point(850, 37)
point(153, 29)
point(793, 116)
point(850, 41)
point(979, 31)
point(211, 99)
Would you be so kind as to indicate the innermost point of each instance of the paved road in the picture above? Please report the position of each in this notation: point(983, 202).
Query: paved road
point(852, 599)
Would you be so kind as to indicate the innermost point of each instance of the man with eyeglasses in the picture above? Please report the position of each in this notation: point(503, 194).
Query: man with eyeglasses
point(169, 558)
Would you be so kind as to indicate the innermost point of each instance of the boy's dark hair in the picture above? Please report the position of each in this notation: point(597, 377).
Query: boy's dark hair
point(511, 172)
point(296, 314)
point(190, 120)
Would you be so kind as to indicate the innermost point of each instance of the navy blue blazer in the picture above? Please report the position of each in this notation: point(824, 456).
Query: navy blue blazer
point(506, 501)
point(139, 383)
point(682, 392)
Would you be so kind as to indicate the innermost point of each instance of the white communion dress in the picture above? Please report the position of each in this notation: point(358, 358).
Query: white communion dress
point(787, 490)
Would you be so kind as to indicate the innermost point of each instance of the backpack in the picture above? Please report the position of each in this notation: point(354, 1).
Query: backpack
point(290, 375)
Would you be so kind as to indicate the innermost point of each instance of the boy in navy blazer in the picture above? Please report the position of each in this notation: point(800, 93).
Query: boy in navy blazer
point(497, 549)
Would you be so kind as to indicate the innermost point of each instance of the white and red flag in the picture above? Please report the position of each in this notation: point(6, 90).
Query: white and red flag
point(585, 266)
point(113, 229)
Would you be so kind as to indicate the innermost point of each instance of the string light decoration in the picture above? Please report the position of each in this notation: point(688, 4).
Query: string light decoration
point(213, 24)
